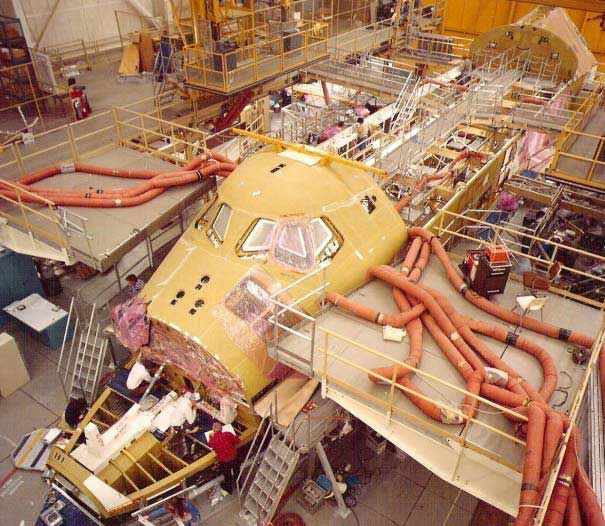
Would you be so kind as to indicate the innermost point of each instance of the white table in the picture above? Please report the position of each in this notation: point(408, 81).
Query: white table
point(42, 316)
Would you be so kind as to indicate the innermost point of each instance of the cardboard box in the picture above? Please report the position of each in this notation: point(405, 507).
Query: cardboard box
point(13, 373)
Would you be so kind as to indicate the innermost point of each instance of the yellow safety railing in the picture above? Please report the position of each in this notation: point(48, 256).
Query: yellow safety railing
point(334, 371)
point(331, 368)
point(40, 221)
point(452, 226)
point(78, 141)
point(575, 166)
point(265, 58)
point(160, 138)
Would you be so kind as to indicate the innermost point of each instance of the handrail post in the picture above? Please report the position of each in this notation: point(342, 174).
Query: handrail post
point(389, 412)
point(324, 376)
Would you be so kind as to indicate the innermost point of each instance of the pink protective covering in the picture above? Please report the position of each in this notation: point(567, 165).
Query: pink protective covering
point(130, 323)
point(328, 133)
point(361, 111)
point(538, 147)
point(170, 346)
point(292, 246)
point(245, 312)
point(507, 201)
point(537, 150)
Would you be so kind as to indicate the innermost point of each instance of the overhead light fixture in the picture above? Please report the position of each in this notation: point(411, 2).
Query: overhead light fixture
point(554, 55)
point(491, 44)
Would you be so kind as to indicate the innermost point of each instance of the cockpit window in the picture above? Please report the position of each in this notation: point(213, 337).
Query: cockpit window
point(259, 238)
point(206, 214)
point(321, 234)
point(294, 242)
point(218, 229)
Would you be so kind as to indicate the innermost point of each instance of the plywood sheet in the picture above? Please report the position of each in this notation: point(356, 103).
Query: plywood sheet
point(146, 52)
point(130, 60)
point(296, 403)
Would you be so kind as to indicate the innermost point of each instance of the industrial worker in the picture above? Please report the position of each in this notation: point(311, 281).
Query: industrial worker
point(75, 411)
point(137, 375)
point(180, 508)
point(224, 445)
point(134, 285)
point(362, 129)
point(221, 407)
point(177, 412)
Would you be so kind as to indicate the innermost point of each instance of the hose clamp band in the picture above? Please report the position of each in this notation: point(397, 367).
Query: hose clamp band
point(454, 336)
point(405, 269)
point(198, 174)
point(68, 168)
point(511, 339)
point(565, 480)
point(528, 486)
point(379, 318)
point(564, 334)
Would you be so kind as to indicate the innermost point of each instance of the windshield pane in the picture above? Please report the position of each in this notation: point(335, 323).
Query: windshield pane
point(259, 239)
point(221, 221)
point(291, 240)
point(321, 235)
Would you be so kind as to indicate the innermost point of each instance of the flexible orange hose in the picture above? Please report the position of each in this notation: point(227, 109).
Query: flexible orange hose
point(531, 465)
point(156, 183)
point(422, 182)
point(572, 513)
point(398, 320)
point(560, 495)
point(411, 255)
point(455, 336)
point(554, 427)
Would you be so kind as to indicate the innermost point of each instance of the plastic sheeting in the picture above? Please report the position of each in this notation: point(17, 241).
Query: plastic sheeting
point(538, 147)
point(292, 246)
point(130, 323)
point(245, 314)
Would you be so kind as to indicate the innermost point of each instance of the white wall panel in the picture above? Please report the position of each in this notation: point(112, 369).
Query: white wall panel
point(88, 20)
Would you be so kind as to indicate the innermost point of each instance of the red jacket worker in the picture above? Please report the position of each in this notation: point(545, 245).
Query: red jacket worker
point(224, 444)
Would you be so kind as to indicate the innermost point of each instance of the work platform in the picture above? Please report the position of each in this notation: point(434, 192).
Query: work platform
point(485, 462)
point(581, 158)
point(100, 237)
point(121, 138)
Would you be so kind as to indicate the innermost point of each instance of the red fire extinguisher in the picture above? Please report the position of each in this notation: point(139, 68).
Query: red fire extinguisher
point(79, 101)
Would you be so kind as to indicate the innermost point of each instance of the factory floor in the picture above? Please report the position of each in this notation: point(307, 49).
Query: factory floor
point(401, 491)
point(104, 91)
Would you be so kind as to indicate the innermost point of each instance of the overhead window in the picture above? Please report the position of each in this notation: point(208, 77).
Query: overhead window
point(218, 229)
point(259, 238)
